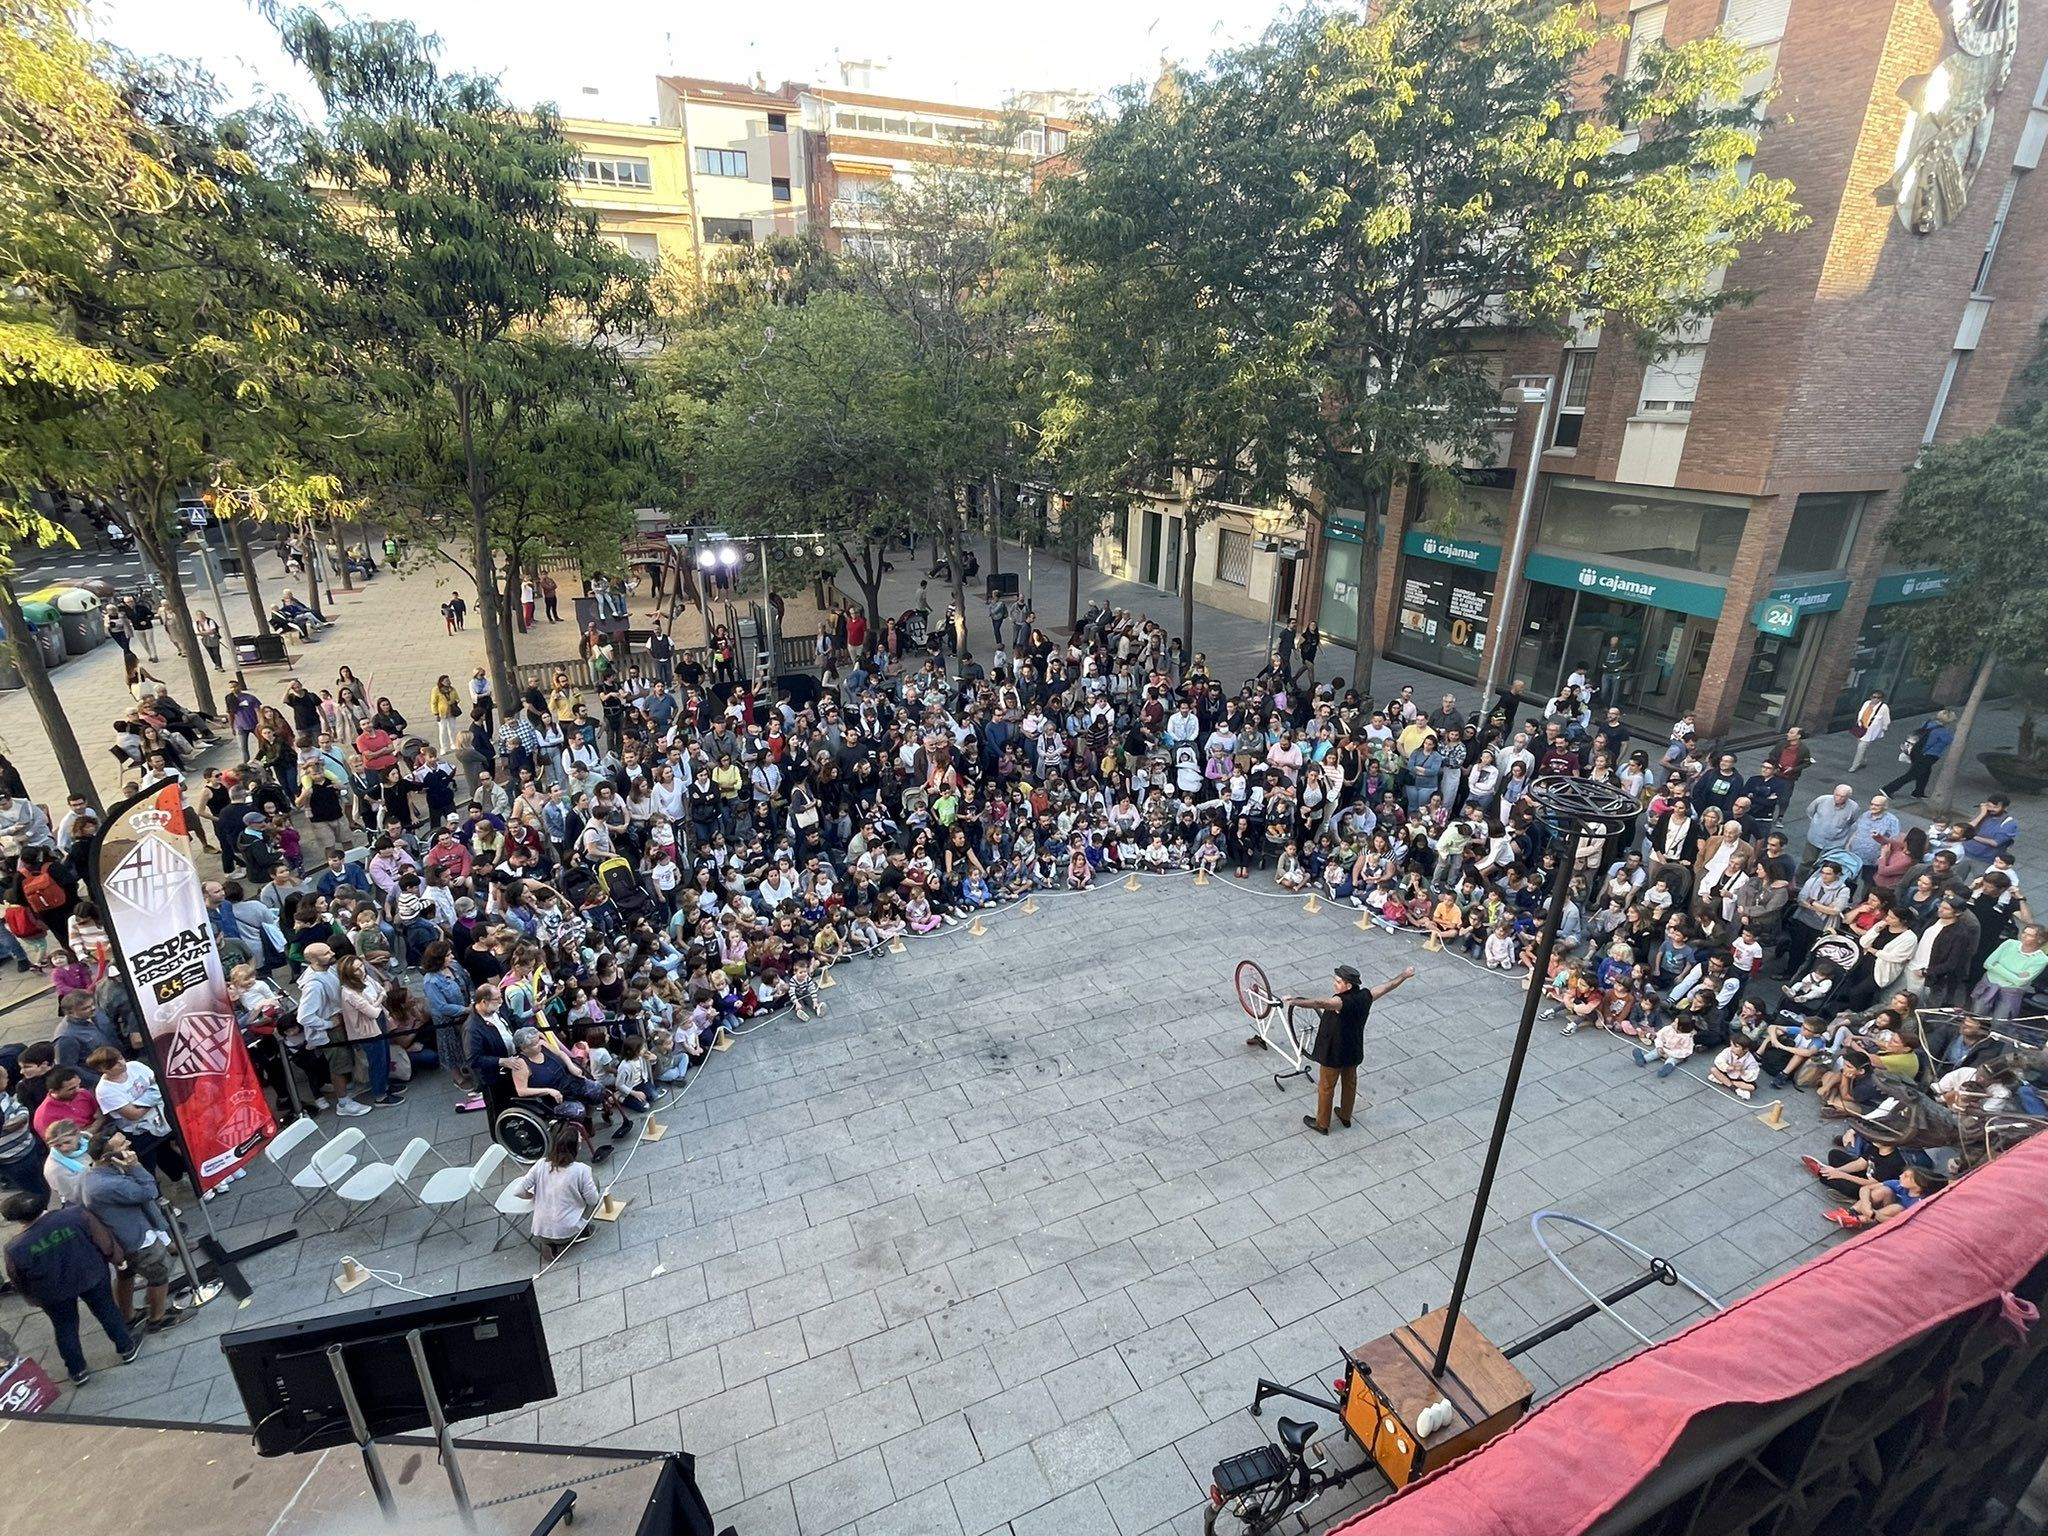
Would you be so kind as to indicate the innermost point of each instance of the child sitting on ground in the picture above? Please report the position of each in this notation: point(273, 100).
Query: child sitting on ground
point(1501, 951)
point(634, 1077)
point(1673, 1043)
point(1735, 1069)
point(1080, 876)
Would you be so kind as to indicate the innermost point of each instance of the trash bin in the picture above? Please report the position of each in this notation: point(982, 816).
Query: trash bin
point(78, 616)
point(42, 623)
point(101, 589)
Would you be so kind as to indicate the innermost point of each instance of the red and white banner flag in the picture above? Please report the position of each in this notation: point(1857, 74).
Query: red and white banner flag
point(154, 904)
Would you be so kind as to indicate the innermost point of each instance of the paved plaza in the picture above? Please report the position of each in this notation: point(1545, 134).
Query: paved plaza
point(1003, 1242)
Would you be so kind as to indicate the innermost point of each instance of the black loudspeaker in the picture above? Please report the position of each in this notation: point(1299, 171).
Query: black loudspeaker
point(485, 1350)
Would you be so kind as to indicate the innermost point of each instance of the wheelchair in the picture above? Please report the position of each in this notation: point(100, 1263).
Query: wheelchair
point(524, 1130)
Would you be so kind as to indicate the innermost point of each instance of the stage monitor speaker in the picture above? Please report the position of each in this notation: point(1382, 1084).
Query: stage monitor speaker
point(485, 1348)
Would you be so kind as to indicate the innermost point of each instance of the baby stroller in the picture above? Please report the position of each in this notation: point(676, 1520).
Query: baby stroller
point(1820, 988)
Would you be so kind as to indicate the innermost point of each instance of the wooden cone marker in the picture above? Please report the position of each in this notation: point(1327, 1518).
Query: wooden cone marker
point(1201, 875)
point(1774, 1117)
point(1313, 905)
point(1432, 944)
point(610, 1208)
point(825, 979)
point(977, 929)
point(1132, 883)
point(1364, 923)
point(897, 946)
point(1030, 904)
point(352, 1275)
point(652, 1129)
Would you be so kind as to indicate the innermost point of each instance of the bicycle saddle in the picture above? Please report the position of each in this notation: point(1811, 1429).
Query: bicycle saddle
point(1294, 1434)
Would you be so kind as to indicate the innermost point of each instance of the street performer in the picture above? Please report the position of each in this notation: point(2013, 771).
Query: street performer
point(1340, 1041)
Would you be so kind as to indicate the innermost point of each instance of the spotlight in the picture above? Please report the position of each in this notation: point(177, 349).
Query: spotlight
point(727, 555)
point(706, 558)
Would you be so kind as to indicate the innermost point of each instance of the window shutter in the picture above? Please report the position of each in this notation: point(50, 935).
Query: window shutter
point(1756, 21)
point(1646, 29)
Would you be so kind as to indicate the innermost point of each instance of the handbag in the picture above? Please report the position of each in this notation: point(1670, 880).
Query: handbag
point(806, 818)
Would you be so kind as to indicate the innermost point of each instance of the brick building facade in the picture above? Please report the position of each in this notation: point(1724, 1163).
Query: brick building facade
point(1705, 531)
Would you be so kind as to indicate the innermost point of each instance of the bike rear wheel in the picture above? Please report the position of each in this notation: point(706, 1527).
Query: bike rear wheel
point(1301, 1028)
point(1248, 1515)
point(1254, 992)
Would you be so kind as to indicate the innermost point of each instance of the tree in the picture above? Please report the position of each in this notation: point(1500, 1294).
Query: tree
point(944, 263)
point(485, 305)
point(813, 419)
point(1298, 268)
point(72, 157)
point(1978, 509)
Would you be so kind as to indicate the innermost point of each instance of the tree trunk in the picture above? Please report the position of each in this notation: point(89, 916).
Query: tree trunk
point(995, 526)
point(1368, 587)
point(28, 656)
point(348, 582)
point(313, 571)
point(497, 648)
point(956, 529)
point(515, 616)
point(1074, 572)
point(239, 532)
point(1942, 790)
point(149, 539)
point(1187, 587)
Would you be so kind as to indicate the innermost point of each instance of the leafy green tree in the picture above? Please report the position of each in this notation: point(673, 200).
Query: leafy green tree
point(73, 158)
point(1978, 509)
point(1297, 268)
point(817, 418)
point(484, 306)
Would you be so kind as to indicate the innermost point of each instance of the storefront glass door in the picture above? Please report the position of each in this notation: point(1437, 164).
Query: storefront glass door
point(1675, 665)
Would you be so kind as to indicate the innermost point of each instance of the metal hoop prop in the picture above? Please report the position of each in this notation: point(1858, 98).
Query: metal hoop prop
point(1657, 1270)
point(1583, 807)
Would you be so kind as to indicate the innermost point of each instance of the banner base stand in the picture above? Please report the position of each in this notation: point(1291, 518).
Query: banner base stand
point(222, 1263)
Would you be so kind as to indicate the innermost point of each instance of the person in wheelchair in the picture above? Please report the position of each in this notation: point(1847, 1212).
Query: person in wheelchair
point(546, 1077)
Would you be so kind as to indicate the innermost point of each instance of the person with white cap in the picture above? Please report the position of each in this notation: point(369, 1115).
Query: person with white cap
point(1339, 1045)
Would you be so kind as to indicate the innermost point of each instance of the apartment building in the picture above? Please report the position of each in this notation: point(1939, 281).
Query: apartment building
point(859, 141)
point(1705, 530)
point(635, 178)
point(746, 164)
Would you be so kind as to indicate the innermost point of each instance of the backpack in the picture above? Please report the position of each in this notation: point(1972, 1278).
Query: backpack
point(42, 892)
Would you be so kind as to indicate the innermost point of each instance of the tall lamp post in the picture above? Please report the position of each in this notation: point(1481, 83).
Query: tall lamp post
point(1570, 809)
point(1285, 553)
point(1539, 390)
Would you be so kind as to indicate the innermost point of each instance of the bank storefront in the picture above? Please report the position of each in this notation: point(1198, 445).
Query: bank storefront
point(1441, 605)
point(1883, 658)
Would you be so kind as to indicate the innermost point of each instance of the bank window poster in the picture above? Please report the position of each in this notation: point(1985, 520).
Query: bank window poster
point(155, 907)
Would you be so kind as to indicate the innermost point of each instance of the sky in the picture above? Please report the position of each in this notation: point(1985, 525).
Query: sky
point(600, 59)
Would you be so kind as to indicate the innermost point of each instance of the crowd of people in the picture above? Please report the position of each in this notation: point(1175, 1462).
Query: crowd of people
point(565, 900)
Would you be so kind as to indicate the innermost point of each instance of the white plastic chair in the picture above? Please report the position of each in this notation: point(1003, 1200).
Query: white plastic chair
point(511, 1212)
point(448, 1188)
point(373, 1181)
point(335, 1161)
point(280, 1148)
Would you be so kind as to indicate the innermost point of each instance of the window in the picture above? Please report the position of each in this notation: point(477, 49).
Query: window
point(1761, 25)
point(1645, 31)
point(605, 171)
point(1055, 140)
point(778, 187)
point(1671, 383)
point(721, 162)
point(778, 122)
point(1823, 527)
point(728, 231)
point(646, 247)
point(1572, 395)
point(1233, 557)
point(1671, 529)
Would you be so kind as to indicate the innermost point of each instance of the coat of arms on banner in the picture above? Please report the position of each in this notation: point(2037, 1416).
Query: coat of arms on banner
point(151, 873)
point(200, 1046)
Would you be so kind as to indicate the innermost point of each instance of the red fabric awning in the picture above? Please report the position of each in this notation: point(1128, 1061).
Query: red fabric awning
point(1579, 1455)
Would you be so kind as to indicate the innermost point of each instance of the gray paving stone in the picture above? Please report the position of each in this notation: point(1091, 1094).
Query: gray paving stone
point(953, 1384)
point(1150, 1491)
point(1094, 1381)
point(988, 1497)
point(1078, 1453)
point(841, 1323)
point(874, 1417)
point(928, 1455)
point(786, 1452)
point(1158, 1416)
point(929, 1513)
point(1080, 1513)
point(1012, 1418)
point(841, 1494)
point(761, 1352)
point(1161, 1353)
